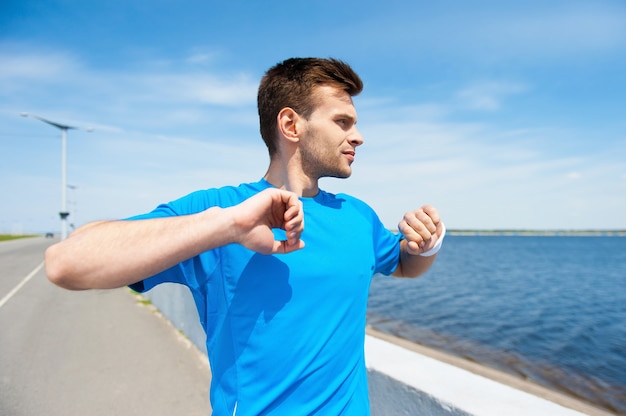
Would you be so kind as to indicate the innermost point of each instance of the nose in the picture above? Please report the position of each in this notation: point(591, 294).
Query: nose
point(355, 138)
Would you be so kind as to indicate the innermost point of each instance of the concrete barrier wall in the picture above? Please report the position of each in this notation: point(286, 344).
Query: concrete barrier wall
point(176, 303)
point(403, 381)
point(389, 397)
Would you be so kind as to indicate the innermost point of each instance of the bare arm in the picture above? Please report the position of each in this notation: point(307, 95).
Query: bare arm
point(112, 254)
point(422, 230)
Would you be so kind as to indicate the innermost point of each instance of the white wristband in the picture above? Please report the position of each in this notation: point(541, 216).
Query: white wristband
point(437, 245)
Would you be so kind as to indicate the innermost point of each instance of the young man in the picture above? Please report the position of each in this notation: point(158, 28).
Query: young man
point(279, 269)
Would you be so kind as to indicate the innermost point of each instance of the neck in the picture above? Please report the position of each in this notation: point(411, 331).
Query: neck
point(290, 177)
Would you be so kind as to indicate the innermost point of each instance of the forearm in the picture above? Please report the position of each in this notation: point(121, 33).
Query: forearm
point(411, 265)
point(118, 253)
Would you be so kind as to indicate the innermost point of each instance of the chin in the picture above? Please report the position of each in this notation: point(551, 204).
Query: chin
point(339, 175)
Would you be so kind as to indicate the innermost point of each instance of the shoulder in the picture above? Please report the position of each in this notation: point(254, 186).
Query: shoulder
point(223, 197)
point(201, 200)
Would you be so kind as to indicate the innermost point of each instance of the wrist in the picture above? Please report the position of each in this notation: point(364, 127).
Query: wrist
point(435, 249)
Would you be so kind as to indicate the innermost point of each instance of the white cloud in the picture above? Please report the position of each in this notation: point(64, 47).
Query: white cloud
point(488, 96)
point(32, 66)
point(150, 84)
point(200, 57)
point(574, 175)
point(195, 87)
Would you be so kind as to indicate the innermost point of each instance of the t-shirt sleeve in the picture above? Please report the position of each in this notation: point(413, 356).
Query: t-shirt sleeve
point(386, 243)
point(386, 247)
point(189, 204)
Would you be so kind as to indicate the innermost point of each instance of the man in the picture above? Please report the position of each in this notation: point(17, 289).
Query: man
point(279, 269)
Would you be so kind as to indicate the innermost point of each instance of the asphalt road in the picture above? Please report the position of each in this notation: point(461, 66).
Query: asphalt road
point(91, 352)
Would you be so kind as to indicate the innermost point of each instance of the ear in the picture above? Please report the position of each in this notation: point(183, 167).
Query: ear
point(289, 124)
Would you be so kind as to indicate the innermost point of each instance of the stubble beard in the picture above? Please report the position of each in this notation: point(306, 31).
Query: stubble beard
point(318, 162)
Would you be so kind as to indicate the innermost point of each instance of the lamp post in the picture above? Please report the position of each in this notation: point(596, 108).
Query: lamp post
point(64, 128)
point(72, 204)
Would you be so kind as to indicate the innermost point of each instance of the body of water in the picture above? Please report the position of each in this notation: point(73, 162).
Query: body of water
point(549, 309)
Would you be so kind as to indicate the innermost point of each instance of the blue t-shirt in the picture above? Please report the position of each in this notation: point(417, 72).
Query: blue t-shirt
point(285, 333)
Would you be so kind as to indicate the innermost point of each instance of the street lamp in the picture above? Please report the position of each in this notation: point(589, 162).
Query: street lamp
point(64, 128)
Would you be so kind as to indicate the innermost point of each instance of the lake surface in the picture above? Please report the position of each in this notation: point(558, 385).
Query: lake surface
point(550, 309)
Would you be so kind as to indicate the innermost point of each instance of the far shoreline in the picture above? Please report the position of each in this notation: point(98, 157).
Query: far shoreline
point(539, 233)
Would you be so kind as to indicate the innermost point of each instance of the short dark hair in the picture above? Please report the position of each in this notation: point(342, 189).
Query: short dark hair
point(292, 83)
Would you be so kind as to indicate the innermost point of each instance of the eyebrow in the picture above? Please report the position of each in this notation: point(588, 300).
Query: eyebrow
point(353, 119)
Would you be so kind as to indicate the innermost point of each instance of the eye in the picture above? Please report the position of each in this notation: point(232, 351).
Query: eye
point(342, 122)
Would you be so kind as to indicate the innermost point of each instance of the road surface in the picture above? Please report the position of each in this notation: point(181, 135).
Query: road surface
point(88, 353)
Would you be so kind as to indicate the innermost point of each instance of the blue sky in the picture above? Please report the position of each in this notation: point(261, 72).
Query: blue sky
point(501, 114)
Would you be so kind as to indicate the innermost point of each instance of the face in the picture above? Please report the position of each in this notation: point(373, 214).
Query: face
point(330, 136)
